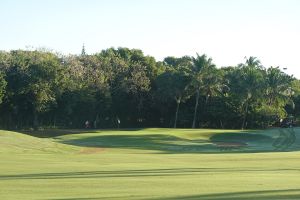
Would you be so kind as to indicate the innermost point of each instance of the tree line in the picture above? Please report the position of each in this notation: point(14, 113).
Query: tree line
point(123, 87)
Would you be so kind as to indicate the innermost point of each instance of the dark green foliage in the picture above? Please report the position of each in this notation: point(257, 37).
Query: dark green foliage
point(3, 84)
point(43, 89)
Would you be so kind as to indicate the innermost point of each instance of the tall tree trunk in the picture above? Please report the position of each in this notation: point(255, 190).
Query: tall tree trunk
point(221, 123)
point(9, 121)
point(35, 120)
point(204, 107)
point(140, 104)
point(196, 108)
point(96, 121)
point(176, 114)
point(206, 100)
point(54, 121)
point(245, 116)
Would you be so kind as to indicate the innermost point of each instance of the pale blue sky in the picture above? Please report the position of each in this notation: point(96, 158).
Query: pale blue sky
point(226, 30)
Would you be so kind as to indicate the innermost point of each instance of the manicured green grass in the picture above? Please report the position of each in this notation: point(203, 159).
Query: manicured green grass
point(150, 164)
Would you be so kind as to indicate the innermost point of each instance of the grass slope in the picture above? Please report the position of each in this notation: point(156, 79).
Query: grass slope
point(12, 142)
point(148, 164)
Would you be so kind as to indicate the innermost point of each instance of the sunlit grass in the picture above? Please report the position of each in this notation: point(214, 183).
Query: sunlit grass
point(147, 164)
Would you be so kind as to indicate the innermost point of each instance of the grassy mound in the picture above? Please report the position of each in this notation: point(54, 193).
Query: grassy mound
point(21, 143)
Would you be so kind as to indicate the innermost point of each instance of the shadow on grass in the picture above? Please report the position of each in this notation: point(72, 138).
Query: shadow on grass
point(171, 144)
point(137, 197)
point(240, 137)
point(163, 143)
point(76, 198)
point(138, 173)
point(50, 133)
point(291, 194)
point(253, 142)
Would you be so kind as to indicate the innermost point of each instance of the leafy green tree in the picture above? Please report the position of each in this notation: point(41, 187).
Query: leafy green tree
point(129, 74)
point(4, 64)
point(34, 77)
point(3, 84)
point(42, 88)
point(174, 84)
point(295, 86)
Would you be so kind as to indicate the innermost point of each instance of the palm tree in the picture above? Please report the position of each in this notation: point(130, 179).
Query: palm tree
point(253, 62)
point(278, 89)
point(252, 84)
point(278, 85)
point(174, 83)
point(205, 80)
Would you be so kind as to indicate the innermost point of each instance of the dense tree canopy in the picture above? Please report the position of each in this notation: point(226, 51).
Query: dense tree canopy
point(123, 87)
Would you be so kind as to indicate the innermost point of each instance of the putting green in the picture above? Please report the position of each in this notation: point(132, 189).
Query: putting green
point(150, 164)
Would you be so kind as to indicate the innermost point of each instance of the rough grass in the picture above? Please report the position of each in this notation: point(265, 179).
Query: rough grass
point(149, 164)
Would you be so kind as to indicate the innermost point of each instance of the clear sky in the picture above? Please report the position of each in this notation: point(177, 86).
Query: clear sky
point(226, 30)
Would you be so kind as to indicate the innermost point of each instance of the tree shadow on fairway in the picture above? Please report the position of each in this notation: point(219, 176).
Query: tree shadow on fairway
point(291, 194)
point(240, 137)
point(245, 141)
point(50, 133)
point(138, 197)
point(75, 198)
point(227, 142)
point(138, 173)
point(162, 143)
point(272, 140)
point(252, 143)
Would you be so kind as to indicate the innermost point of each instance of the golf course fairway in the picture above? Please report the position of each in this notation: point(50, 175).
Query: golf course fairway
point(150, 164)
